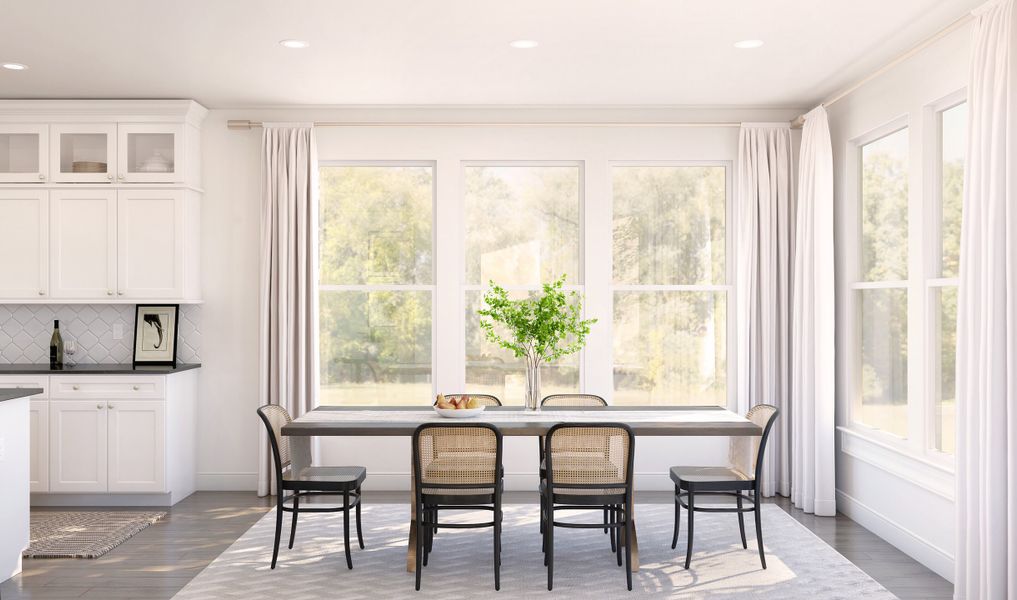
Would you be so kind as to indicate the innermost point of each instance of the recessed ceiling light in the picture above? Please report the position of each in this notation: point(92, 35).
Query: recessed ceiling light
point(748, 44)
point(295, 44)
point(15, 66)
point(524, 44)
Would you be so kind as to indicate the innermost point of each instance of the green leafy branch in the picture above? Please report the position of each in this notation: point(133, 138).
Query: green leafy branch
point(541, 329)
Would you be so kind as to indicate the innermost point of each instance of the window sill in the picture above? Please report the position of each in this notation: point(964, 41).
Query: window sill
point(930, 475)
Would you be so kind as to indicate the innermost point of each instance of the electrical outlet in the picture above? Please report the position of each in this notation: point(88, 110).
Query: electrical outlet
point(118, 331)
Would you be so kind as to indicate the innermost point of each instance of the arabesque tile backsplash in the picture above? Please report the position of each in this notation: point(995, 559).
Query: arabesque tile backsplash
point(25, 330)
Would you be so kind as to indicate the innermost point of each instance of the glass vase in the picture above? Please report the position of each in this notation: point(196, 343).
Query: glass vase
point(532, 386)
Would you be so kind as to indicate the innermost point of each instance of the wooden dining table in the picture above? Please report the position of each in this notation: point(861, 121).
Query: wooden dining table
point(517, 421)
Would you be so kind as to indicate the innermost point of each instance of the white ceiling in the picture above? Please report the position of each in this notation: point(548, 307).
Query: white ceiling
point(224, 53)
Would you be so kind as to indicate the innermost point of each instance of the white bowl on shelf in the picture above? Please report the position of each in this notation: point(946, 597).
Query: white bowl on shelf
point(459, 413)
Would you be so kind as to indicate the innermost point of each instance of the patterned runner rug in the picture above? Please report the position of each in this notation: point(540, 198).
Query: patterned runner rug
point(801, 566)
point(84, 534)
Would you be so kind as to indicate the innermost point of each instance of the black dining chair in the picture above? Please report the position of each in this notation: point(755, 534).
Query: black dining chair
point(456, 466)
point(579, 401)
point(738, 480)
point(589, 467)
point(309, 482)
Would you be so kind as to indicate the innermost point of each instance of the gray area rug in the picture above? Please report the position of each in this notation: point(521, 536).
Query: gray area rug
point(800, 564)
point(84, 534)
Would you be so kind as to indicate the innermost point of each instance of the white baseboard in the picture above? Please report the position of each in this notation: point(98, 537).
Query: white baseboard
point(93, 500)
point(938, 560)
point(227, 482)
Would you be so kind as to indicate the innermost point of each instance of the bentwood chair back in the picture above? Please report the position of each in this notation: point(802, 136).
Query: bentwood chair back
point(589, 467)
point(456, 466)
point(576, 400)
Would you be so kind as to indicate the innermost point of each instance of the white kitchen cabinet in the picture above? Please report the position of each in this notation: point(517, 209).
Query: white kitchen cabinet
point(24, 152)
point(78, 446)
point(150, 153)
point(83, 238)
point(24, 233)
point(150, 243)
point(113, 439)
point(136, 438)
point(38, 435)
point(82, 152)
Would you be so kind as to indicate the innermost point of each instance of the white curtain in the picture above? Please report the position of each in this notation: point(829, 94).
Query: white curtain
point(986, 563)
point(288, 334)
point(812, 328)
point(765, 210)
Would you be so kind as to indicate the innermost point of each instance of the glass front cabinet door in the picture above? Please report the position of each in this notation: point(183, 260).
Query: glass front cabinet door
point(24, 153)
point(150, 153)
point(83, 153)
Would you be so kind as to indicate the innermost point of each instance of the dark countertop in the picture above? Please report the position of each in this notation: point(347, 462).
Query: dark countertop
point(15, 393)
point(44, 369)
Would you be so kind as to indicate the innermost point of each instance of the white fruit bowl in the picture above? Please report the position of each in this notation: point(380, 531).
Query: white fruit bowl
point(459, 413)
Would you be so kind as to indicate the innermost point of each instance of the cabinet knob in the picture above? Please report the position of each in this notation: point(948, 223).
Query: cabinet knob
point(99, 406)
point(74, 387)
point(135, 388)
point(110, 405)
point(120, 176)
point(110, 176)
point(42, 292)
point(121, 293)
point(109, 292)
point(42, 176)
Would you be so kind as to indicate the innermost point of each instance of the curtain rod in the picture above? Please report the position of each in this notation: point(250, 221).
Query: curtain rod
point(241, 124)
point(843, 93)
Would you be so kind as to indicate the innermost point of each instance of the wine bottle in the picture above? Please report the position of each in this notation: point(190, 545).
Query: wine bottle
point(56, 347)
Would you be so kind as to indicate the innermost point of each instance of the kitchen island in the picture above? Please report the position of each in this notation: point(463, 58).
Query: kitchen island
point(14, 456)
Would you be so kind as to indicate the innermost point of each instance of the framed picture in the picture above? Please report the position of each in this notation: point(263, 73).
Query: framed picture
point(155, 334)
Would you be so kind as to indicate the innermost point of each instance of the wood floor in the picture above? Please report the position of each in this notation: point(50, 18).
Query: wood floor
point(160, 560)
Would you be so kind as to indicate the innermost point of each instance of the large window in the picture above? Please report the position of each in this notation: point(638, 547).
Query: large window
point(376, 283)
point(522, 229)
point(881, 398)
point(670, 276)
point(942, 286)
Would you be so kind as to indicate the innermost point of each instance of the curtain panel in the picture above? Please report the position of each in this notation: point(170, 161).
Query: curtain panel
point(813, 410)
point(986, 561)
point(288, 318)
point(765, 210)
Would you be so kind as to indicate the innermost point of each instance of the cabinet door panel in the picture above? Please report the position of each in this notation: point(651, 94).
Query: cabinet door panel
point(150, 153)
point(83, 152)
point(83, 243)
point(150, 245)
point(38, 435)
point(77, 432)
point(137, 446)
point(24, 233)
point(24, 153)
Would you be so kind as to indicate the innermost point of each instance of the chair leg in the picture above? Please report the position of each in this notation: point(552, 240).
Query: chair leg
point(293, 527)
point(759, 529)
point(628, 544)
point(427, 523)
point(605, 520)
point(278, 526)
point(497, 548)
point(692, 511)
point(620, 518)
point(420, 544)
point(346, 528)
point(360, 532)
point(549, 557)
point(677, 518)
point(543, 528)
point(612, 517)
point(741, 521)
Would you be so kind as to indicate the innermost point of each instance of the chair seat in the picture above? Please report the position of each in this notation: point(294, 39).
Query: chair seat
point(716, 478)
point(588, 465)
point(326, 478)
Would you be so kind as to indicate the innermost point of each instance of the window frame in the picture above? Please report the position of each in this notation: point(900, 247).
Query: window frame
point(465, 287)
point(934, 283)
point(730, 260)
point(432, 287)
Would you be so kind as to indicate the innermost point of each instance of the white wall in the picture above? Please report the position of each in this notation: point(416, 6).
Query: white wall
point(905, 497)
point(231, 221)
